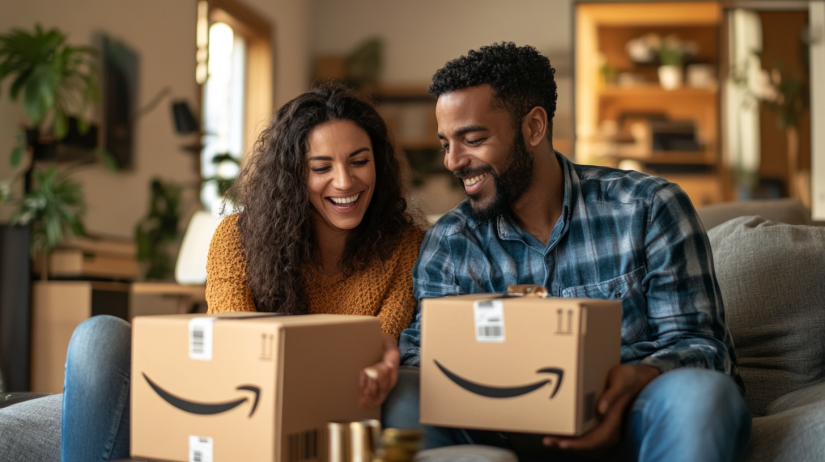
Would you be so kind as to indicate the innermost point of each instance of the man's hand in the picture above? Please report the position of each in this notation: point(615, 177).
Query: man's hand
point(376, 381)
point(624, 383)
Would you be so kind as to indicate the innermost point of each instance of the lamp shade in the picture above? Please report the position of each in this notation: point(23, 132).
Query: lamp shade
point(185, 122)
point(190, 267)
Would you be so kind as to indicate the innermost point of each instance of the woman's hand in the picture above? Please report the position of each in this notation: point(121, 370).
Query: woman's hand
point(376, 381)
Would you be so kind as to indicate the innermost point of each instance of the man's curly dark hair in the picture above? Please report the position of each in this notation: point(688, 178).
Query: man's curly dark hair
point(521, 78)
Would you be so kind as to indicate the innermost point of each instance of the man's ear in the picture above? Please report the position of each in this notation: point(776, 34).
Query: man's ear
point(535, 126)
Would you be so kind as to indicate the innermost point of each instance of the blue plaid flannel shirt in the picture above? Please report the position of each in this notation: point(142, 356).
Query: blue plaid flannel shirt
point(621, 236)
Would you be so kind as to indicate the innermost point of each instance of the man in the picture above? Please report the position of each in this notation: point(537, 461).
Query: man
point(533, 217)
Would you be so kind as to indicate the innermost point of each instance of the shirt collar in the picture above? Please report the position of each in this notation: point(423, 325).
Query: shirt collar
point(508, 230)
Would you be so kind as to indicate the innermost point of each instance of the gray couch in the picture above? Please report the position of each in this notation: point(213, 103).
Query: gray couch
point(772, 277)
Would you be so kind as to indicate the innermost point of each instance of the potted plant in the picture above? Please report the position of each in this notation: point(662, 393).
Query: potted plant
point(158, 230)
point(56, 82)
point(670, 69)
point(53, 209)
point(787, 97)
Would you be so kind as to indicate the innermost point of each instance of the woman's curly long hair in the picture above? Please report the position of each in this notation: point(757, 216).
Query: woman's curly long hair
point(275, 223)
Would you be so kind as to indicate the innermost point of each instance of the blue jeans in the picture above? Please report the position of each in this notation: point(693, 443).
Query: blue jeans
point(95, 424)
point(683, 415)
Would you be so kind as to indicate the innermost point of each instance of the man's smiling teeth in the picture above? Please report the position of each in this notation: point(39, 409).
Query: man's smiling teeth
point(345, 200)
point(473, 180)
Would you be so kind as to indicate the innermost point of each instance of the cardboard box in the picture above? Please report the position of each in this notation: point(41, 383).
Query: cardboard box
point(520, 364)
point(246, 386)
point(58, 307)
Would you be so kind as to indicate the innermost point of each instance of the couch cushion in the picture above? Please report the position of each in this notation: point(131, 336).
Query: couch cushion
point(772, 277)
point(800, 398)
point(30, 431)
point(792, 435)
point(466, 453)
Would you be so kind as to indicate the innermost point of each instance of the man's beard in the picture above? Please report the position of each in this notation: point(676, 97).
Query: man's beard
point(514, 180)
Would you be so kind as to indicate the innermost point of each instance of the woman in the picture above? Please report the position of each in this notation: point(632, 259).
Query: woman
point(323, 229)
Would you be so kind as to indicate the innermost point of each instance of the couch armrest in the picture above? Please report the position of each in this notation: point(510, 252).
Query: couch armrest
point(798, 398)
point(7, 399)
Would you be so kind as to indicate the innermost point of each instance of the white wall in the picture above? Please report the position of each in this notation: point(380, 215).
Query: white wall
point(291, 20)
point(421, 36)
point(163, 33)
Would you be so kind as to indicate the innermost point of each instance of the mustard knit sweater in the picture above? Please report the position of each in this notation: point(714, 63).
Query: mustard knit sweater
point(382, 289)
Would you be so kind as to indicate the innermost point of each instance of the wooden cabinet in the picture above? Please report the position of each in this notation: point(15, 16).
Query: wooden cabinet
point(58, 307)
point(619, 119)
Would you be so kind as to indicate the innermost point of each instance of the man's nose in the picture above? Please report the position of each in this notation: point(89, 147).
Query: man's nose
point(455, 159)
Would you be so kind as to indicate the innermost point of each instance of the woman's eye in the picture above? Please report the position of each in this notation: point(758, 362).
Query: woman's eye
point(361, 162)
point(320, 169)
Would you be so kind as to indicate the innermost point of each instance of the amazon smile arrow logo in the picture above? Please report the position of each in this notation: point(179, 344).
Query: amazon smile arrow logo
point(504, 392)
point(193, 407)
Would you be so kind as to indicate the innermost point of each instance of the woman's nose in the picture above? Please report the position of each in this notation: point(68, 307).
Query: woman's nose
point(343, 179)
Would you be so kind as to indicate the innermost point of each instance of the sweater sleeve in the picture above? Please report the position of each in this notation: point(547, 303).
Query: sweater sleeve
point(398, 305)
point(227, 288)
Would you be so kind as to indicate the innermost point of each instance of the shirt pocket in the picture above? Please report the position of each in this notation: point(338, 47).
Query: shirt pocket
point(626, 288)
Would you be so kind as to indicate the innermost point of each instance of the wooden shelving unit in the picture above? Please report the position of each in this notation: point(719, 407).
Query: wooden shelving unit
point(606, 113)
point(655, 91)
point(410, 114)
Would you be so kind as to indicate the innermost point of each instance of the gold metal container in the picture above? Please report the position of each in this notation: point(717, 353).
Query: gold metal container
point(354, 441)
point(399, 445)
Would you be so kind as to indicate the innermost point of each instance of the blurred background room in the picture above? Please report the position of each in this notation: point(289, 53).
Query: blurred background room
point(122, 124)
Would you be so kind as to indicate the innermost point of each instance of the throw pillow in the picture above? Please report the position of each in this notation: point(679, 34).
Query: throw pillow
point(772, 278)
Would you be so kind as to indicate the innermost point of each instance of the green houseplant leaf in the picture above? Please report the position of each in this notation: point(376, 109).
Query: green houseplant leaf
point(19, 149)
point(158, 229)
point(107, 158)
point(52, 76)
point(54, 209)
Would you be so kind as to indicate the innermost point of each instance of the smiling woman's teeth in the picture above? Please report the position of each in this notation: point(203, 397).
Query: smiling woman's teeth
point(473, 180)
point(345, 200)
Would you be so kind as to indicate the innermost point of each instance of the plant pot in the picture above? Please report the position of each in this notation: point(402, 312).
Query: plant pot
point(15, 306)
point(40, 150)
point(670, 77)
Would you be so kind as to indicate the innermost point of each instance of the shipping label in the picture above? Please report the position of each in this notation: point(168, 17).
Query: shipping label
point(200, 338)
point(489, 317)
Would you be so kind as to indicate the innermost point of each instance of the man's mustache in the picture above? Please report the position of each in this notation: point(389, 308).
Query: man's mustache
point(471, 172)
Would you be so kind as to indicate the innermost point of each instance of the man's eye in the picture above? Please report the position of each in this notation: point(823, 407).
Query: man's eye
point(445, 147)
point(475, 142)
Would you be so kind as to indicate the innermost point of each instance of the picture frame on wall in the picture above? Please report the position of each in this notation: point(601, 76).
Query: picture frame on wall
point(120, 85)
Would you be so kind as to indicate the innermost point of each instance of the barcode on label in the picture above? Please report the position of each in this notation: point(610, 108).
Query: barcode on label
point(489, 320)
point(302, 446)
point(197, 340)
point(489, 331)
point(200, 338)
point(200, 449)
